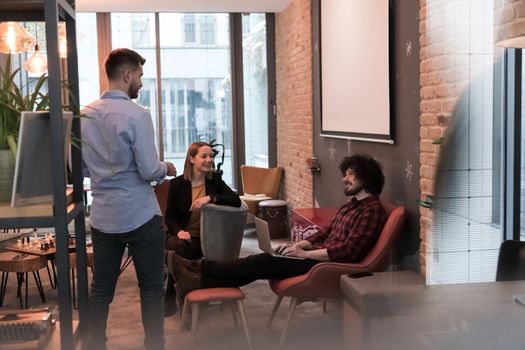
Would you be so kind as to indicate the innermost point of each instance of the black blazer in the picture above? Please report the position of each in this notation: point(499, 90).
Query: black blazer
point(179, 201)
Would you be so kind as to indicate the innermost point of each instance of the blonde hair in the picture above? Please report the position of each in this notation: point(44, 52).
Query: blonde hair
point(192, 152)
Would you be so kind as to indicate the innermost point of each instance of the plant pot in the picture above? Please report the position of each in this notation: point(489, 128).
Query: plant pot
point(7, 171)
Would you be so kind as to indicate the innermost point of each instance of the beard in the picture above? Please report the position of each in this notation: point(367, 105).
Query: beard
point(353, 191)
point(133, 92)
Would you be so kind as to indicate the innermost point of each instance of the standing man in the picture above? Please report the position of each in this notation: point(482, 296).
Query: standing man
point(348, 238)
point(120, 157)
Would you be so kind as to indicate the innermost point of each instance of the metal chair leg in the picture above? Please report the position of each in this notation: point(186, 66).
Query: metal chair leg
point(20, 280)
point(291, 311)
point(234, 309)
point(52, 279)
point(3, 287)
point(184, 313)
point(274, 310)
point(240, 308)
point(194, 320)
point(73, 287)
point(38, 281)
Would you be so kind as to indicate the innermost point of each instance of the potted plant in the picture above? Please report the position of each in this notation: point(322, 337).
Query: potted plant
point(12, 103)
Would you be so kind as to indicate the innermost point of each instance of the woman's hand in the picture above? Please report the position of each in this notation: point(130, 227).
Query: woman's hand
point(184, 235)
point(200, 202)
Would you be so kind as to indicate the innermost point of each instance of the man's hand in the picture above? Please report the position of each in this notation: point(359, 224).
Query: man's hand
point(199, 202)
point(303, 245)
point(171, 169)
point(294, 250)
point(303, 249)
point(184, 235)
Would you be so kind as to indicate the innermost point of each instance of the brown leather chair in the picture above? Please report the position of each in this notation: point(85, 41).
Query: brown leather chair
point(259, 184)
point(161, 191)
point(322, 281)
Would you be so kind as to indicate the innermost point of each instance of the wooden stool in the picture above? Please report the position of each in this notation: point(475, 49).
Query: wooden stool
point(207, 295)
point(22, 264)
point(73, 266)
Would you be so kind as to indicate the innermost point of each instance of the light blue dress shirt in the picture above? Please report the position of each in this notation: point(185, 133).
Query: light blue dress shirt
point(120, 157)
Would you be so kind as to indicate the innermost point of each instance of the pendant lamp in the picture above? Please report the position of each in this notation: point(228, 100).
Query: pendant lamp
point(14, 38)
point(37, 63)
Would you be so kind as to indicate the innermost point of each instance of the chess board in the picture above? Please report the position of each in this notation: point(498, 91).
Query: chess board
point(36, 249)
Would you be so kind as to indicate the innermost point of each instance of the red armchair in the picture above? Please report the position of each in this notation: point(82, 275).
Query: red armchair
point(322, 281)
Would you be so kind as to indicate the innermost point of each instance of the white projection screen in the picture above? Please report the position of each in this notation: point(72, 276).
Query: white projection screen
point(355, 69)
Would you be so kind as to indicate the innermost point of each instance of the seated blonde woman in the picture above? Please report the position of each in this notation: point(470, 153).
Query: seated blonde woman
point(199, 185)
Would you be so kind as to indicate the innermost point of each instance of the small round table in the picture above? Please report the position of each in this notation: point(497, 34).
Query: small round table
point(275, 212)
point(21, 264)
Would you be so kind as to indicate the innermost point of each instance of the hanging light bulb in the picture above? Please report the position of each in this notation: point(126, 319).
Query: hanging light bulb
point(14, 38)
point(37, 63)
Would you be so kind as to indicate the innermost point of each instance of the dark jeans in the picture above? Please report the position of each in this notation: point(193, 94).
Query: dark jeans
point(188, 250)
point(146, 246)
point(239, 272)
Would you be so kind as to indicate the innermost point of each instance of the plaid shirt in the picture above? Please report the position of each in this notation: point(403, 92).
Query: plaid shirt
point(350, 236)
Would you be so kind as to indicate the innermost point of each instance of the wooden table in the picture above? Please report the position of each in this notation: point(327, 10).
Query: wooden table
point(396, 310)
point(21, 264)
point(48, 253)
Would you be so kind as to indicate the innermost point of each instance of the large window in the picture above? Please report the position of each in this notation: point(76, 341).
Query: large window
point(191, 93)
point(466, 225)
point(136, 31)
point(255, 76)
point(196, 91)
point(89, 86)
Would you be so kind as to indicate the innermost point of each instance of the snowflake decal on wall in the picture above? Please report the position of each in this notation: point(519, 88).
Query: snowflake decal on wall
point(331, 151)
point(408, 48)
point(408, 170)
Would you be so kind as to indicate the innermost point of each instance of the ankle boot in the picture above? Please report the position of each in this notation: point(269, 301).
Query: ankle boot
point(187, 273)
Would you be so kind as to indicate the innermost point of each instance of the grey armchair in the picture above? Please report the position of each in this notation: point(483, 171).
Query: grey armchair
point(222, 229)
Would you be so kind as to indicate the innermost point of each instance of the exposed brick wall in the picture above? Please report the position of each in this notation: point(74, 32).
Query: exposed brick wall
point(293, 60)
point(443, 77)
point(509, 19)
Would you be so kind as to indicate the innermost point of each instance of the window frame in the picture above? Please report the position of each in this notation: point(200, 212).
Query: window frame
point(236, 64)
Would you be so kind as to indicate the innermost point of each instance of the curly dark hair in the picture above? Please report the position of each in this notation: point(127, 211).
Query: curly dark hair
point(366, 169)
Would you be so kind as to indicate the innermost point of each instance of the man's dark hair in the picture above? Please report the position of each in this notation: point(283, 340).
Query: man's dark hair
point(367, 170)
point(119, 59)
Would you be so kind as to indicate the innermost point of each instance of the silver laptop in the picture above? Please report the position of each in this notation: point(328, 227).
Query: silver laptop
point(265, 244)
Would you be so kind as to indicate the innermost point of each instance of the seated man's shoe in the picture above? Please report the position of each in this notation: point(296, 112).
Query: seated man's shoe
point(190, 265)
point(187, 274)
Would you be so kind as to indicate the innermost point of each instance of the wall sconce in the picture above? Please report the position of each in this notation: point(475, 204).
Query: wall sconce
point(313, 165)
point(14, 38)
